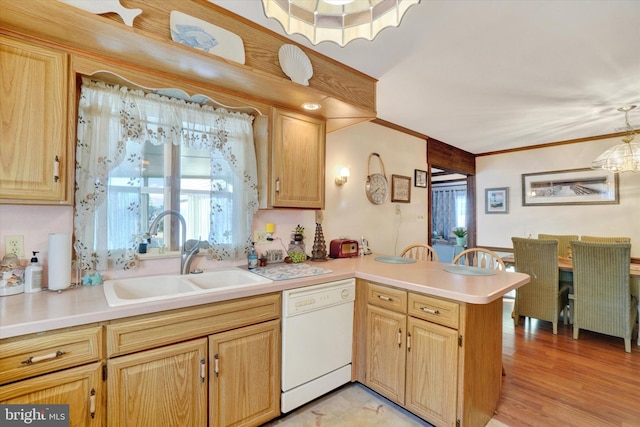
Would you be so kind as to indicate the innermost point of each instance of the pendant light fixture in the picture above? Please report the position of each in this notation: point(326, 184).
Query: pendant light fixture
point(623, 157)
point(338, 21)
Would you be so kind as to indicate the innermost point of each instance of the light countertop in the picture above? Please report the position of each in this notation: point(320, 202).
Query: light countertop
point(28, 313)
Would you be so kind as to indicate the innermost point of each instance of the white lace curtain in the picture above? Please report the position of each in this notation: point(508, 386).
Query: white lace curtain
point(114, 123)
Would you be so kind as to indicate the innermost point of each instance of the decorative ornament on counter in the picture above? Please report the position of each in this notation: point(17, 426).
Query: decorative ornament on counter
point(295, 64)
point(106, 6)
point(319, 251)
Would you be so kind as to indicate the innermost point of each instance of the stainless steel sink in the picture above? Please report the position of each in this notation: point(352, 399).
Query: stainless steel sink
point(154, 288)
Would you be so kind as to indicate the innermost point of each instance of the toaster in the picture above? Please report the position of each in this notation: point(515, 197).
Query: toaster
point(343, 248)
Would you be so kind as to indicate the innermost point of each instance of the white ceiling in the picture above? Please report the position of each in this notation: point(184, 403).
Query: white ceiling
point(487, 75)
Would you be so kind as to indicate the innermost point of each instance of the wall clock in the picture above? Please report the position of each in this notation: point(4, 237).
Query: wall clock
point(376, 186)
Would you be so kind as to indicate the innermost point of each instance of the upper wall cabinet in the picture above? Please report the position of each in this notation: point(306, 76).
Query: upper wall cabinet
point(297, 161)
point(36, 160)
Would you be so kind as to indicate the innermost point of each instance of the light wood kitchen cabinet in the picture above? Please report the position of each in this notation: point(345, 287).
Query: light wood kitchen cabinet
point(57, 367)
point(412, 360)
point(245, 375)
point(36, 155)
point(453, 353)
point(386, 352)
point(296, 173)
point(432, 372)
point(81, 388)
point(217, 364)
point(164, 386)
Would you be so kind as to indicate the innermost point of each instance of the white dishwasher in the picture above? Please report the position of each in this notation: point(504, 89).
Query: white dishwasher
point(317, 340)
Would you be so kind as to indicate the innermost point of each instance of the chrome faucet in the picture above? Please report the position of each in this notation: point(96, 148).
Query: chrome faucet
point(185, 257)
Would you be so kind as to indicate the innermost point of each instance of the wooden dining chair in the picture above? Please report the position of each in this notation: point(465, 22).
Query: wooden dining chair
point(480, 257)
point(420, 251)
point(564, 241)
point(605, 239)
point(544, 297)
point(602, 290)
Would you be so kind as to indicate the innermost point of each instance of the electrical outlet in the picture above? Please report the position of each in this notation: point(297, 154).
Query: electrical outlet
point(14, 245)
point(260, 237)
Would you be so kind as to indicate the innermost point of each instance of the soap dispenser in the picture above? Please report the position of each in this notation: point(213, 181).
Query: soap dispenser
point(33, 275)
point(253, 257)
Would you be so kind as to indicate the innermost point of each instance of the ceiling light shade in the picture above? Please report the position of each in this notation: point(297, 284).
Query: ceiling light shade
point(337, 21)
point(623, 157)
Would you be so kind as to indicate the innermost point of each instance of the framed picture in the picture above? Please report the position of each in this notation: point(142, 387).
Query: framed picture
point(496, 200)
point(570, 187)
point(420, 178)
point(400, 188)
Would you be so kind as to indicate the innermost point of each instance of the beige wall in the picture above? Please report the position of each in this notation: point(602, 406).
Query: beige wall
point(505, 170)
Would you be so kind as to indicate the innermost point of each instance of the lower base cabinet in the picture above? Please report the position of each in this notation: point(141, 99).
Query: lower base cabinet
point(439, 359)
point(80, 388)
point(244, 385)
point(163, 386)
point(432, 367)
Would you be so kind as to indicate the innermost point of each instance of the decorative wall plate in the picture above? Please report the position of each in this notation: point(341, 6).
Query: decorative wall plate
point(202, 35)
point(295, 64)
point(106, 6)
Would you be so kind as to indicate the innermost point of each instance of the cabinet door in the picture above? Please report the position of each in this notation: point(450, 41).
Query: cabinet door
point(244, 383)
point(81, 388)
point(161, 387)
point(432, 372)
point(33, 124)
point(386, 347)
point(297, 161)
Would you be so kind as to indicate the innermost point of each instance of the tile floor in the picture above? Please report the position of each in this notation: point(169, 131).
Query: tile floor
point(352, 405)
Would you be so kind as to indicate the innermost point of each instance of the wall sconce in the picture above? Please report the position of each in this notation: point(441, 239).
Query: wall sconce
point(342, 178)
point(269, 229)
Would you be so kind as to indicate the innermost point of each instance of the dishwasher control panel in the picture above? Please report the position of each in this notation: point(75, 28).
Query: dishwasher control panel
point(317, 297)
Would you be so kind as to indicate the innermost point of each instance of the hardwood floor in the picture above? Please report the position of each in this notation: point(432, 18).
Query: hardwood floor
point(554, 380)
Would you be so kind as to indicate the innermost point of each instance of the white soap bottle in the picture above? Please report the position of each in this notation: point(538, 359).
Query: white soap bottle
point(33, 275)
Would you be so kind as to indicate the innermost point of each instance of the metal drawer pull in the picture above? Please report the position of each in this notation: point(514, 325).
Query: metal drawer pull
point(409, 342)
point(35, 359)
point(203, 369)
point(385, 298)
point(215, 365)
point(92, 403)
point(399, 337)
point(430, 311)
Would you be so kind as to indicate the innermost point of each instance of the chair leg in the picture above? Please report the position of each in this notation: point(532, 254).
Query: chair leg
point(576, 331)
point(555, 328)
point(627, 345)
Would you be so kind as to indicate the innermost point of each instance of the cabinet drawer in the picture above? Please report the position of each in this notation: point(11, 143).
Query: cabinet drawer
point(387, 297)
point(42, 353)
point(154, 330)
point(434, 310)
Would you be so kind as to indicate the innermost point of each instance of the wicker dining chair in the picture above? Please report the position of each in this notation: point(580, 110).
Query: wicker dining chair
point(605, 239)
point(480, 257)
point(544, 297)
point(564, 241)
point(602, 290)
point(420, 251)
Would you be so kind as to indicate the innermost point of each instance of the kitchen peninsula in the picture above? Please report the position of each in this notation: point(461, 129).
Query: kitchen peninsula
point(463, 312)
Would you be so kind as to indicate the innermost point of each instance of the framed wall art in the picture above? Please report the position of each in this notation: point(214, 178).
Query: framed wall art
point(400, 188)
point(496, 200)
point(570, 187)
point(420, 178)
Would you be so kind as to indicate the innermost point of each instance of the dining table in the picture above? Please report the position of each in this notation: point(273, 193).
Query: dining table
point(566, 264)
